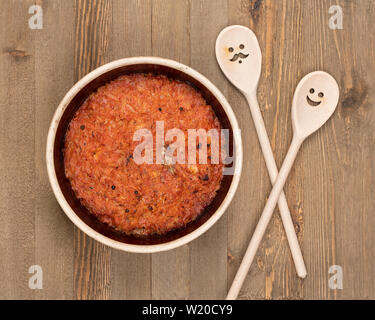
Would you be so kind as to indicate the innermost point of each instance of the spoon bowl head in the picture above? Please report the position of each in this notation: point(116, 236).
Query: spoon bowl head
point(239, 57)
point(314, 101)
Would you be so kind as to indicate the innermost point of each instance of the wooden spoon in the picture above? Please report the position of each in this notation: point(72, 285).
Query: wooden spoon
point(315, 100)
point(239, 56)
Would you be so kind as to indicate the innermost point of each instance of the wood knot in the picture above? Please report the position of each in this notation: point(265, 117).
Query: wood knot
point(253, 7)
point(354, 100)
point(230, 257)
point(257, 4)
point(260, 264)
point(17, 54)
point(297, 227)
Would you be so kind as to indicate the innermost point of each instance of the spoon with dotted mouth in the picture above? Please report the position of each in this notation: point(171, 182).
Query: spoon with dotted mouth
point(244, 72)
point(306, 119)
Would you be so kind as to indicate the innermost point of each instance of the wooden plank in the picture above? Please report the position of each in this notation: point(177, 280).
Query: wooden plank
point(92, 260)
point(282, 62)
point(131, 36)
point(318, 202)
point(17, 120)
point(208, 254)
point(171, 39)
point(338, 189)
point(54, 75)
point(281, 53)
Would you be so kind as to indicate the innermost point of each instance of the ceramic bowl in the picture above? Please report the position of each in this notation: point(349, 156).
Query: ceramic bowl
point(72, 207)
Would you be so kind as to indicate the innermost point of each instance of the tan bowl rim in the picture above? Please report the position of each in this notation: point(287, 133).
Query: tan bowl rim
point(136, 248)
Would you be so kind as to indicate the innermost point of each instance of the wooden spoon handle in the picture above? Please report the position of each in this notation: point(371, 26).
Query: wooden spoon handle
point(273, 172)
point(264, 220)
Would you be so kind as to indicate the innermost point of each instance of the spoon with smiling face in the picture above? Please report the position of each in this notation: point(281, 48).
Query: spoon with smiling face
point(306, 119)
point(239, 56)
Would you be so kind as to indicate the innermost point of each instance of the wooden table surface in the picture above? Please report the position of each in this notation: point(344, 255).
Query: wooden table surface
point(330, 190)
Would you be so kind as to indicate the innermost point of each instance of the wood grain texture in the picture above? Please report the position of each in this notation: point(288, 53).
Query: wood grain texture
point(343, 170)
point(54, 233)
point(17, 136)
point(92, 260)
point(330, 190)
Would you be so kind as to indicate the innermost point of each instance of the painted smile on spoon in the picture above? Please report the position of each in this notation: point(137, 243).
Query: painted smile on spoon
point(312, 102)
